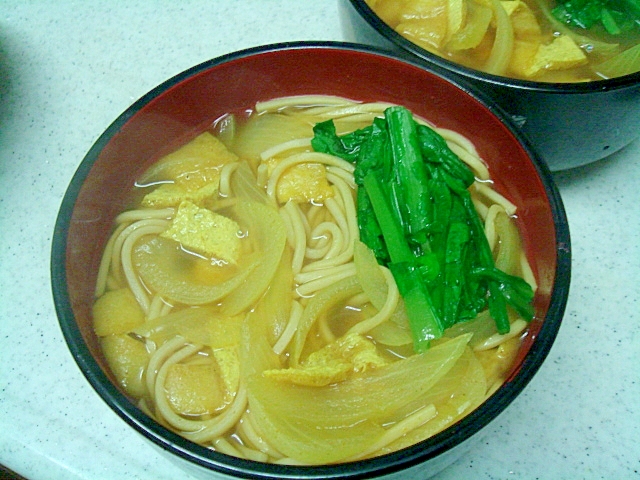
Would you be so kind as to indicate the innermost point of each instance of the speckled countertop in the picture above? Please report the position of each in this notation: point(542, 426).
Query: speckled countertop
point(69, 68)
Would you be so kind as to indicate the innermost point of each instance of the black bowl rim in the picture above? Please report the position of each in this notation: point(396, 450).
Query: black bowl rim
point(208, 459)
point(412, 50)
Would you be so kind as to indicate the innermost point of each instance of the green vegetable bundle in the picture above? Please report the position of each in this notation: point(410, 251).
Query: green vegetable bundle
point(616, 16)
point(415, 212)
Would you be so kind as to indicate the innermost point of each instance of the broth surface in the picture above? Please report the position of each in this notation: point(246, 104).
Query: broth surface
point(237, 305)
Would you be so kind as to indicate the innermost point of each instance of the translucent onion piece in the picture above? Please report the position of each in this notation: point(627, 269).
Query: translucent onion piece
point(197, 161)
point(267, 232)
point(497, 339)
point(510, 246)
point(165, 269)
point(502, 49)
point(319, 304)
point(265, 131)
point(369, 275)
point(624, 63)
point(458, 393)
point(456, 15)
point(328, 424)
point(199, 325)
point(375, 287)
point(245, 186)
point(279, 298)
point(162, 266)
point(470, 36)
point(266, 320)
point(225, 129)
point(391, 334)
point(482, 327)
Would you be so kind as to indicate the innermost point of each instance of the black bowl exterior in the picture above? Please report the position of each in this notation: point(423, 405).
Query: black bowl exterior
point(570, 124)
point(419, 461)
point(572, 128)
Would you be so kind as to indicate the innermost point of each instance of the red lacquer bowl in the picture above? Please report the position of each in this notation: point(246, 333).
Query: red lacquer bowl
point(189, 103)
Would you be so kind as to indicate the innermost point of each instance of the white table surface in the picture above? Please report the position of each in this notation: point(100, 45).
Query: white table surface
point(69, 68)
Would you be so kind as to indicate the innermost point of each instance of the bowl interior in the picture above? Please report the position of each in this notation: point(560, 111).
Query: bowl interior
point(187, 104)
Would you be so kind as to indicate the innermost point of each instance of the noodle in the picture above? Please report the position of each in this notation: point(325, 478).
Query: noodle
point(294, 101)
point(527, 272)
point(249, 435)
point(401, 428)
point(466, 152)
point(299, 238)
point(127, 246)
point(225, 179)
point(348, 111)
point(489, 225)
point(343, 175)
point(196, 430)
point(223, 446)
point(346, 197)
point(290, 330)
point(389, 307)
point(158, 357)
point(493, 341)
point(158, 308)
point(329, 277)
point(311, 275)
point(105, 262)
point(162, 405)
point(483, 190)
point(284, 147)
point(120, 236)
point(307, 157)
point(334, 247)
point(325, 241)
point(222, 423)
point(135, 215)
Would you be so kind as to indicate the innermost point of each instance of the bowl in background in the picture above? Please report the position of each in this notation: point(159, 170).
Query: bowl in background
point(188, 104)
point(570, 124)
